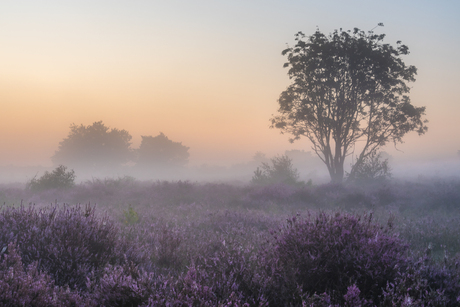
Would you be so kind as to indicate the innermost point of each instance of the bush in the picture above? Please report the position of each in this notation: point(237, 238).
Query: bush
point(27, 286)
point(329, 254)
point(281, 171)
point(131, 216)
point(68, 243)
point(372, 169)
point(59, 178)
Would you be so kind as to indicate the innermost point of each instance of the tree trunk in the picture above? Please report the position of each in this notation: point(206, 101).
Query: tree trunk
point(337, 174)
point(337, 162)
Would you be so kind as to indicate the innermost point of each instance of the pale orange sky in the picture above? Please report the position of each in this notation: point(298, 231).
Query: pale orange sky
point(207, 74)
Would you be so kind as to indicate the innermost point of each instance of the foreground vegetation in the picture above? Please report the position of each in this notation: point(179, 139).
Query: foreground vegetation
point(120, 242)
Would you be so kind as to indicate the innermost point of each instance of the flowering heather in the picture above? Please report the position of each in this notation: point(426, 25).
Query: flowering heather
point(331, 253)
point(68, 243)
point(215, 244)
point(26, 286)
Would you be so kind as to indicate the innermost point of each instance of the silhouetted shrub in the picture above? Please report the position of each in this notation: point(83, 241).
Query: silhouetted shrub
point(328, 254)
point(281, 171)
point(372, 169)
point(59, 178)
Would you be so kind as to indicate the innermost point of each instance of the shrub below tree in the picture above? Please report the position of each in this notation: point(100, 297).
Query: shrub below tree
point(372, 169)
point(281, 170)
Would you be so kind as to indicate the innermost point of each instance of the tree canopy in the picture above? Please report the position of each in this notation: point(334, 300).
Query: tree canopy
point(94, 147)
point(347, 86)
point(161, 152)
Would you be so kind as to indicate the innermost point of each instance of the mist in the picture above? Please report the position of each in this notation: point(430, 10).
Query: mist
point(208, 76)
point(310, 167)
point(207, 153)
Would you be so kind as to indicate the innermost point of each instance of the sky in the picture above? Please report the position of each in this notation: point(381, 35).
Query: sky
point(206, 73)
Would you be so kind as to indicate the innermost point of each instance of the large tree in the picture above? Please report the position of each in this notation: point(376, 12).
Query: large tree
point(160, 152)
point(94, 147)
point(347, 86)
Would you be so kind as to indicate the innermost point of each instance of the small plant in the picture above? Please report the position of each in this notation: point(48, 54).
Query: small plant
point(59, 178)
point(131, 216)
point(281, 171)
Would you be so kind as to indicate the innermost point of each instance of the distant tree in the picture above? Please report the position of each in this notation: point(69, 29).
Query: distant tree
point(161, 152)
point(59, 178)
point(296, 154)
point(259, 157)
point(347, 86)
point(281, 170)
point(94, 147)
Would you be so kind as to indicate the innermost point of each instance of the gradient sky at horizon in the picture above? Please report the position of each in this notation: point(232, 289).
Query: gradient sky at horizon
point(205, 73)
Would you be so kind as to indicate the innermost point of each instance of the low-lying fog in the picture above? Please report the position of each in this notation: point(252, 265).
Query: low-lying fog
point(307, 164)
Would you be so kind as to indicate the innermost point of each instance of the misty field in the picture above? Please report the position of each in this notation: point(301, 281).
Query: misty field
point(123, 242)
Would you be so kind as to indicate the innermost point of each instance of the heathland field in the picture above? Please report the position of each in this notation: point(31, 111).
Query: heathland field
point(122, 242)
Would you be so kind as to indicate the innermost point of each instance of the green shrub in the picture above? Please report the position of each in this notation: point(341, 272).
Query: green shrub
point(131, 216)
point(59, 178)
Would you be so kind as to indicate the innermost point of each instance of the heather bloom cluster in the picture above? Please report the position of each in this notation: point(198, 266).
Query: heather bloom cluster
point(333, 253)
point(190, 244)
